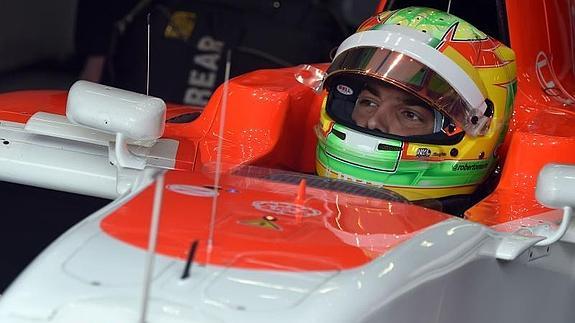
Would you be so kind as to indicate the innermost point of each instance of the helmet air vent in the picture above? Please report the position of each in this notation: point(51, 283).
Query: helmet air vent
point(338, 134)
point(388, 147)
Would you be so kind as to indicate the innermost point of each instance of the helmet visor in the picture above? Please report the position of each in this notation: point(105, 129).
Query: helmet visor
point(413, 76)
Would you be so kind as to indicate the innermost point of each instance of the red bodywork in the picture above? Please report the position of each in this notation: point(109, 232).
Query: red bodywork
point(264, 225)
point(541, 130)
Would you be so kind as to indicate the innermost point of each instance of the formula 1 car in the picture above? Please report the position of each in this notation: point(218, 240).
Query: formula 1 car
point(217, 216)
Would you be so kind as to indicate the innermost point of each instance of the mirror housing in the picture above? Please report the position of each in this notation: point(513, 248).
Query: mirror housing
point(128, 115)
point(555, 190)
point(556, 185)
point(136, 116)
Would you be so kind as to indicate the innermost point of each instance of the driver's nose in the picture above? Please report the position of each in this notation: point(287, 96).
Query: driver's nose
point(378, 121)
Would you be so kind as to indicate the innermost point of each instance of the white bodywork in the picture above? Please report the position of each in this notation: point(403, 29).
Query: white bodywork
point(73, 164)
point(91, 155)
point(87, 276)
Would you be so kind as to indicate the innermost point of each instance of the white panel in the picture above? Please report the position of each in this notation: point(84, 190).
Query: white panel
point(266, 290)
point(55, 125)
point(113, 110)
point(116, 262)
point(55, 163)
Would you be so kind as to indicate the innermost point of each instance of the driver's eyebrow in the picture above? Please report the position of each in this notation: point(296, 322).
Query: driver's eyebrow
point(372, 90)
point(408, 100)
point(412, 100)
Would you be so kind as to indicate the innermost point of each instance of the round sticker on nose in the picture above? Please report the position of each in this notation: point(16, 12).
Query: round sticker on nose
point(285, 208)
point(344, 89)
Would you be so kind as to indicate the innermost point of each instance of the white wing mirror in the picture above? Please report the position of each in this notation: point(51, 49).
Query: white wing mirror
point(556, 189)
point(128, 115)
point(556, 186)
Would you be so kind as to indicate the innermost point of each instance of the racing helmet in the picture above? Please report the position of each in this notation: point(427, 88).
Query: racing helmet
point(465, 77)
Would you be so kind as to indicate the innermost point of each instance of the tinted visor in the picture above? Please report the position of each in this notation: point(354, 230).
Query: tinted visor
point(416, 78)
point(342, 101)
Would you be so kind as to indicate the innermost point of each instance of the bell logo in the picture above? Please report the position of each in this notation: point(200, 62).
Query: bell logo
point(344, 89)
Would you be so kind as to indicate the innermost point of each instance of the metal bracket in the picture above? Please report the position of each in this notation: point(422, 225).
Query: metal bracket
point(557, 234)
point(124, 156)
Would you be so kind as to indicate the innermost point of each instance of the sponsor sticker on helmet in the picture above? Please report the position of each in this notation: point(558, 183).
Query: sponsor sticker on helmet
point(467, 167)
point(423, 152)
point(344, 89)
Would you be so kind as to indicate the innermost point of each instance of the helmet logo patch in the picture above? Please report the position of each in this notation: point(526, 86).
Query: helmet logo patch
point(344, 89)
point(423, 152)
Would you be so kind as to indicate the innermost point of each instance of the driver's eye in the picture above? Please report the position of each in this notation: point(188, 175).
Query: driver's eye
point(411, 115)
point(367, 102)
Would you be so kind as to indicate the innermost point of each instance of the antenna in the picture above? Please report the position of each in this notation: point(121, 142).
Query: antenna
point(155, 221)
point(190, 260)
point(219, 156)
point(148, 57)
point(448, 6)
point(152, 241)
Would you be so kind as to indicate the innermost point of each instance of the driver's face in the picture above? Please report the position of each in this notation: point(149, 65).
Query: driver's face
point(393, 111)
